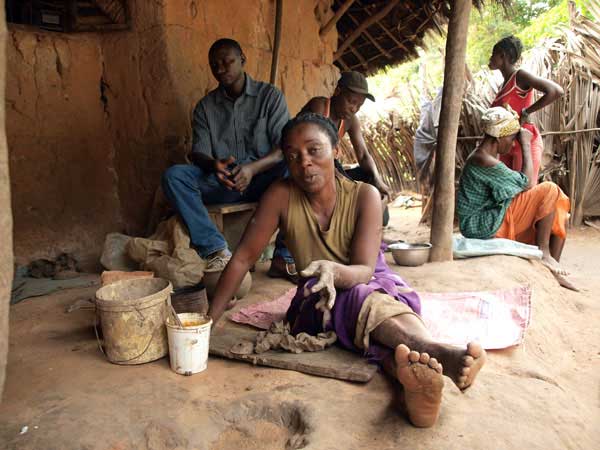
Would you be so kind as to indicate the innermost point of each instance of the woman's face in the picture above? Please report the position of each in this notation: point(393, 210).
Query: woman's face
point(505, 144)
point(309, 156)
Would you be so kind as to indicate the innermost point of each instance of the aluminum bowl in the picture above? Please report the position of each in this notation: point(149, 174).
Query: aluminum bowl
point(406, 254)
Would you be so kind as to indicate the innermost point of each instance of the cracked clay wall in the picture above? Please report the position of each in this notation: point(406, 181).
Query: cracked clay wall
point(93, 119)
point(61, 154)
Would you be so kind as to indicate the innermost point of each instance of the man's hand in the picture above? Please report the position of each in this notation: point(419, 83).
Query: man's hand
point(325, 286)
point(223, 174)
point(242, 176)
point(524, 137)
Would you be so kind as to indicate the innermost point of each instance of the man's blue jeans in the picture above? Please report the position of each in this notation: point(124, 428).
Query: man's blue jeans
point(189, 188)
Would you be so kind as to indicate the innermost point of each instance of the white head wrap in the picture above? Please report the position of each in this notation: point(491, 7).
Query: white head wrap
point(500, 122)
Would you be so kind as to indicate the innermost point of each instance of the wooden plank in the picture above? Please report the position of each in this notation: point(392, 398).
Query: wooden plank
point(227, 208)
point(217, 219)
point(333, 362)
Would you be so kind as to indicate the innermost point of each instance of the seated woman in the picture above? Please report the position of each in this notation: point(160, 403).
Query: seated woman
point(333, 228)
point(495, 201)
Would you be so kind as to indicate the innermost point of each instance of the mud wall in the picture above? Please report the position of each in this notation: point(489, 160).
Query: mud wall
point(61, 154)
point(6, 247)
point(93, 119)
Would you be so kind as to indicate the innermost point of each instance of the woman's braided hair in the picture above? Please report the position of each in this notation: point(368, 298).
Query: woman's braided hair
point(324, 123)
point(511, 46)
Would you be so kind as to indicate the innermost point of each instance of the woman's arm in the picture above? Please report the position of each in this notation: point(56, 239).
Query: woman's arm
point(551, 90)
point(524, 138)
point(256, 236)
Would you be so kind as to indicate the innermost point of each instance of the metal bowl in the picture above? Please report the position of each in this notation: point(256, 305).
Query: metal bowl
point(406, 254)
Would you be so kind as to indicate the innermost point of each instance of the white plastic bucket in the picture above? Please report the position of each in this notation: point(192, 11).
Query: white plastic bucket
point(188, 346)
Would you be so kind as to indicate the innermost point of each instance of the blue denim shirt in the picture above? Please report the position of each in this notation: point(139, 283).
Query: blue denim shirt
point(246, 128)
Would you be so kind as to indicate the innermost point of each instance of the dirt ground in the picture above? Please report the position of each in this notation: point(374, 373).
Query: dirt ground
point(543, 394)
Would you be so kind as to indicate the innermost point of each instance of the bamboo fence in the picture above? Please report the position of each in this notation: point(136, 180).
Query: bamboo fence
point(389, 141)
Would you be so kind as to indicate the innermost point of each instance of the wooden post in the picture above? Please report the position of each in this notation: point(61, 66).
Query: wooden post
point(442, 222)
point(338, 14)
point(6, 225)
point(276, 41)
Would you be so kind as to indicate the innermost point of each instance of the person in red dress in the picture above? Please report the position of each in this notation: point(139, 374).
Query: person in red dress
point(517, 92)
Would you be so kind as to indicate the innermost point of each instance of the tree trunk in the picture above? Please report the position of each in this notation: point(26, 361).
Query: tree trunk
point(442, 222)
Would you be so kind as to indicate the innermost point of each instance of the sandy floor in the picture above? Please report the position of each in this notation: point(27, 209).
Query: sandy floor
point(541, 395)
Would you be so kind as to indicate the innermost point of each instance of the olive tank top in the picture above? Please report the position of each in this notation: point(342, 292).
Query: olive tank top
point(304, 237)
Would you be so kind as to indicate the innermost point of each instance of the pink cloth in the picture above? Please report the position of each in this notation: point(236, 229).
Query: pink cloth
point(262, 315)
point(497, 319)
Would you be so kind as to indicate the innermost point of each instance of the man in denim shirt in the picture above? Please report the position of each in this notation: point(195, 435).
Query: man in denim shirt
point(235, 150)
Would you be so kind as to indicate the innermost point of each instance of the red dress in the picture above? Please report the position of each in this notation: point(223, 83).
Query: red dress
point(519, 99)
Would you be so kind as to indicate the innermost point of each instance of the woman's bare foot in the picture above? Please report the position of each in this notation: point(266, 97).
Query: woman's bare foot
point(471, 363)
point(553, 265)
point(421, 377)
point(459, 365)
point(564, 281)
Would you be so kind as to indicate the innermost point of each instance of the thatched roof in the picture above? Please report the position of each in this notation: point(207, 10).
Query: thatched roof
point(378, 33)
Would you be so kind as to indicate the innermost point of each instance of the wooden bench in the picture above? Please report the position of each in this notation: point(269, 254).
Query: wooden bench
point(231, 220)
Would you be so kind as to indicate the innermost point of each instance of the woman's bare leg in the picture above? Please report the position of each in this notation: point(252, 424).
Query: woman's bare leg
point(557, 244)
point(551, 247)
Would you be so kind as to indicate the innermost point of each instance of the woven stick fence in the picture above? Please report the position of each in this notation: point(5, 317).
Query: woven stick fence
point(389, 141)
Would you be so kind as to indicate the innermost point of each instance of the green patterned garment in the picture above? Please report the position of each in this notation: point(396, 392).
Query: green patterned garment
point(484, 195)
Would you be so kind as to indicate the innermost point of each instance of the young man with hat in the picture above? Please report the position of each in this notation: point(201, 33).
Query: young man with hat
point(351, 92)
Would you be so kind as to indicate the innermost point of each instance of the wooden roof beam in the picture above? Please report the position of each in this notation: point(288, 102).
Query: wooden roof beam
point(372, 39)
point(363, 26)
point(362, 60)
point(343, 64)
point(337, 16)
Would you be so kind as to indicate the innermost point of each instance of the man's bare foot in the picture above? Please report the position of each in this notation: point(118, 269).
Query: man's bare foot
point(553, 265)
point(421, 377)
point(564, 281)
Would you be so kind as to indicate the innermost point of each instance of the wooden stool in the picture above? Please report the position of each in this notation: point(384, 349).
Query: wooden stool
point(231, 220)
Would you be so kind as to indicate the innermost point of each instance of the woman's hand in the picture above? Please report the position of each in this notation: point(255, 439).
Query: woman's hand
point(524, 137)
point(324, 271)
point(525, 118)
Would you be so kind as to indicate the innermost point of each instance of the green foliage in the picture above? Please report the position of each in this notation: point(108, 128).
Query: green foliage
point(529, 20)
